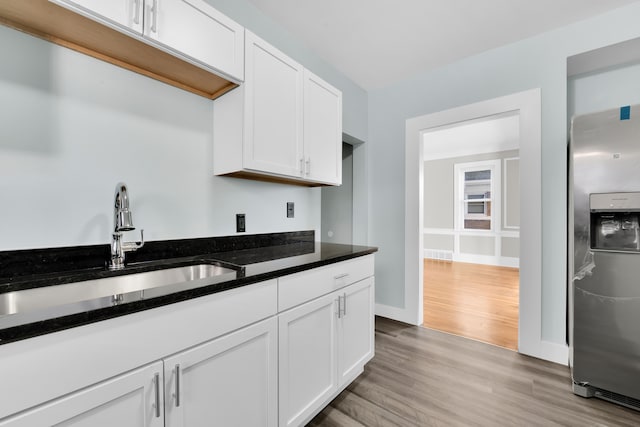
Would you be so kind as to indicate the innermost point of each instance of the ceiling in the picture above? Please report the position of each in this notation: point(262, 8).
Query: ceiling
point(379, 42)
point(485, 135)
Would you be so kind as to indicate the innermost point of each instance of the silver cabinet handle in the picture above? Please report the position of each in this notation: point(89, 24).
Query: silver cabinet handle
point(302, 166)
point(344, 304)
point(156, 380)
point(340, 276)
point(308, 162)
point(154, 16)
point(136, 16)
point(177, 392)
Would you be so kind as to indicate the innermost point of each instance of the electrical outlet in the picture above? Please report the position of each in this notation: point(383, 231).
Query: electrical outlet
point(290, 210)
point(240, 223)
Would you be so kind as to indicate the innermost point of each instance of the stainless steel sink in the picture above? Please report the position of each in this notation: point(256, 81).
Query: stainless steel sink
point(31, 305)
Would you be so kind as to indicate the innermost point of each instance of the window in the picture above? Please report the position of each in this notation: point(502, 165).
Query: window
point(476, 183)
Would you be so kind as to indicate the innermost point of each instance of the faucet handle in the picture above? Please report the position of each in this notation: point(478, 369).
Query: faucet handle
point(134, 246)
point(141, 243)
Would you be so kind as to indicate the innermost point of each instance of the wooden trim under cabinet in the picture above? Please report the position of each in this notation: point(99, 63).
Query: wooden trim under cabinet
point(259, 176)
point(58, 25)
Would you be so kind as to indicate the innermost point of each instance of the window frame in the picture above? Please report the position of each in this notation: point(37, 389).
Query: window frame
point(461, 204)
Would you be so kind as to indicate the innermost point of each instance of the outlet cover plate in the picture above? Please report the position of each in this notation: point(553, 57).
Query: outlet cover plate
point(240, 223)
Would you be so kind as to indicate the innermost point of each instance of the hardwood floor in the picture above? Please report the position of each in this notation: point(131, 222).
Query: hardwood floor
point(422, 377)
point(472, 300)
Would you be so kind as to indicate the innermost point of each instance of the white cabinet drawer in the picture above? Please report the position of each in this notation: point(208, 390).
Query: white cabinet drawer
point(304, 286)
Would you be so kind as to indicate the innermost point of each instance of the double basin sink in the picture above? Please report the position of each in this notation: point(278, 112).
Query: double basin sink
point(36, 304)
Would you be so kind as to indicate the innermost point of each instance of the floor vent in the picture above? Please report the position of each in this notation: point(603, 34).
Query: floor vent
point(438, 254)
point(620, 399)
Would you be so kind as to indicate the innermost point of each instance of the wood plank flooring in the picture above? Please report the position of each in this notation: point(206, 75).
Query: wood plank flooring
point(422, 377)
point(472, 300)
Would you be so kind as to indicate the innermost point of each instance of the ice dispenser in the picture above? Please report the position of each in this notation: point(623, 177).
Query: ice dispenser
point(614, 221)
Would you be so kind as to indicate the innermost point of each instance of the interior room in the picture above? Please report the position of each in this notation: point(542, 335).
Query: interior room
point(289, 213)
point(471, 229)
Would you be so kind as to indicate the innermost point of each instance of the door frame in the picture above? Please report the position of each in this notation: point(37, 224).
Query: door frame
point(528, 105)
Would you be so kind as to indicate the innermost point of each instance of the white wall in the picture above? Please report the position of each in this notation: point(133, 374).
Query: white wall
point(538, 62)
point(604, 89)
point(72, 127)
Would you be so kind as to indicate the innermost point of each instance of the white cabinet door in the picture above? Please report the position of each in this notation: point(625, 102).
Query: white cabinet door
point(322, 130)
point(355, 330)
point(230, 381)
point(307, 358)
point(120, 14)
point(134, 399)
point(272, 110)
point(195, 29)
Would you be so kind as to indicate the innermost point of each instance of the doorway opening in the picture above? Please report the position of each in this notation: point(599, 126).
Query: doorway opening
point(471, 209)
point(336, 218)
point(343, 216)
point(529, 107)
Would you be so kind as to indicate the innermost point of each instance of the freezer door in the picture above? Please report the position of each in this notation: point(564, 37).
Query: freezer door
point(606, 327)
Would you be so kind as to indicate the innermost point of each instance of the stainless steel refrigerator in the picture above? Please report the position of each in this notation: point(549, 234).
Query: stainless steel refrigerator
point(604, 255)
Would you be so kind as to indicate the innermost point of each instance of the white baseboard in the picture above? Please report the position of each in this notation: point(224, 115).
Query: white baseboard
point(547, 350)
point(395, 313)
point(438, 254)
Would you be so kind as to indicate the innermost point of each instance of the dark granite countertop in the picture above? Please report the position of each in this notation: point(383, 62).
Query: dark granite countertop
point(255, 258)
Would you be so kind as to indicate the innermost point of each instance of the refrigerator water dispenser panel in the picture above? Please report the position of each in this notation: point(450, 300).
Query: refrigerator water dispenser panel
point(615, 222)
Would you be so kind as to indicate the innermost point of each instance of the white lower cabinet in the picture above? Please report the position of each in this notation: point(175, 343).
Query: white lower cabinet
point(356, 330)
point(308, 359)
point(269, 354)
point(230, 381)
point(134, 399)
point(324, 344)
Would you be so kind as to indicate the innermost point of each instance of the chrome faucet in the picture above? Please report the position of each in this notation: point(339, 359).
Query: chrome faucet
point(122, 221)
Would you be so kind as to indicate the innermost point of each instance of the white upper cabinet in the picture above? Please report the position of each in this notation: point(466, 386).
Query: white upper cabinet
point(195, 29)
point(189, 29)
point(283, 124)
point(272, 110)
point(120, 14)
point(322, 130)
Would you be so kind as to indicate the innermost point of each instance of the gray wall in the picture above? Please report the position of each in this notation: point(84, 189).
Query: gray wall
point(511, 247)
point(438, 194)
point(337, 204)
point(537, 62)
point(477, 245)
point(71, 127)
point(439, 187)
point(510, 184)
point(439, 191)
